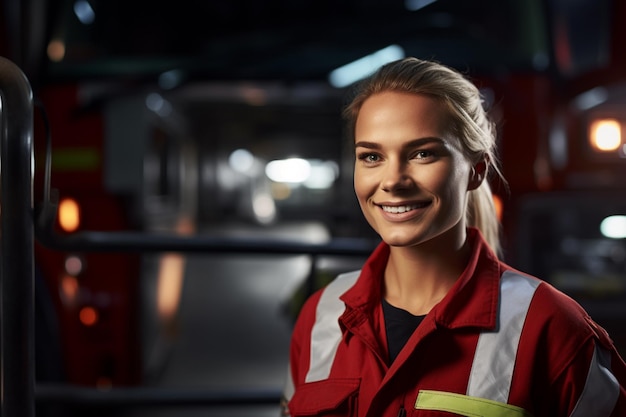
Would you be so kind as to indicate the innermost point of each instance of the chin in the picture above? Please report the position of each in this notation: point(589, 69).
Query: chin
point(400, 240)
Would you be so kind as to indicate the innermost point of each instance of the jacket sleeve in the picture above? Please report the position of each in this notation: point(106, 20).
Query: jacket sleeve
point(585, 375)
point(299, 356)
point(593, 384)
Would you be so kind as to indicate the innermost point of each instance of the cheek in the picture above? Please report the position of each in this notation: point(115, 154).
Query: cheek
point(438, 179)
point(449, 184)
point(362, 184)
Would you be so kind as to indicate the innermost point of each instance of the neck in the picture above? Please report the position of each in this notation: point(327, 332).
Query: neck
point(419, 277)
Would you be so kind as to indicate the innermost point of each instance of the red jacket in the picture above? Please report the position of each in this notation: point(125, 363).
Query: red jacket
point(501, 343)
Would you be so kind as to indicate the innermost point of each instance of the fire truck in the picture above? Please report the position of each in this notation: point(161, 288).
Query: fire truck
point(156, 127)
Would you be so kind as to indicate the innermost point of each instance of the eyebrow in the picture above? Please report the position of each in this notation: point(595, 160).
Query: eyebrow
point(412, 143)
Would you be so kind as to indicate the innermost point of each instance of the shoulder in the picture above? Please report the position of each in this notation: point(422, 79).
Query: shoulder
point(556, 324)
point(326, 300)
point(548, 304)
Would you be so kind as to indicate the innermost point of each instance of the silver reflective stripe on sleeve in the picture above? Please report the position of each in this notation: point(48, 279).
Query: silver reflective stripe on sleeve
point(326, 333)
point(496, 351)
point(289, 388)
point(601, 389)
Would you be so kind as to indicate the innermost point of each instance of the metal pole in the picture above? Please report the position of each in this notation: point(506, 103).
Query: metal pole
point(17, 354)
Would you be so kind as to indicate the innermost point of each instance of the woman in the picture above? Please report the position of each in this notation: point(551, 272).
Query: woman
point(434, 324)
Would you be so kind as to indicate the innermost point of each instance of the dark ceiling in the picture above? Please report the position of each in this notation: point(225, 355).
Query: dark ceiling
point(290, 40)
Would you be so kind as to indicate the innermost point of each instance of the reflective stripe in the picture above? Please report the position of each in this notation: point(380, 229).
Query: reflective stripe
point(289, 388)
point(494, 359)
point(601, 389)
point(464, 405)
point(326, 333)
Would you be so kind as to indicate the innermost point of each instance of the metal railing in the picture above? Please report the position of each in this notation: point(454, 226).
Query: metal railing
point(21, 223)
point(17, 317)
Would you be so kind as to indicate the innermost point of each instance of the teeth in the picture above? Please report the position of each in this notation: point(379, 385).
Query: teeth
point(399, 209)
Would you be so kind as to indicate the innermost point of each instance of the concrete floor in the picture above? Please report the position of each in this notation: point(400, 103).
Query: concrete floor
point(232, 332)
point(233, 329)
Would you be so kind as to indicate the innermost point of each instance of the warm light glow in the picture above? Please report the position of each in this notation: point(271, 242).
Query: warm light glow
point(68, 289)
point(88, 316)
point(69, 215)
point(605, 134)
point(280, 191)
point(254, 96)
point(104, 383)
point(497, 203)
point(170, 284)
point(73, 265)
point(56, 50)
point(171, 275)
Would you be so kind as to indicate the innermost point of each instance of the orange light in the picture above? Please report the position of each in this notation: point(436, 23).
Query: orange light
point(605, 135)
point(56, 50)
point(69, 289)
point(104, 383)
point(497, 203)
point(69, 214)
point(172, 274)
point(88, 316)
point(170, 284)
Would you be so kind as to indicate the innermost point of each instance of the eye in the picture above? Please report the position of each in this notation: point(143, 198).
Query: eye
point(368, 157)
point(423, 154)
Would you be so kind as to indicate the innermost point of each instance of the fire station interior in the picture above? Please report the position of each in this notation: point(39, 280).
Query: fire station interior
point(192, 178)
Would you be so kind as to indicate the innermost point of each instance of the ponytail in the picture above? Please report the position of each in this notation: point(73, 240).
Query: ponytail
point(481, 213)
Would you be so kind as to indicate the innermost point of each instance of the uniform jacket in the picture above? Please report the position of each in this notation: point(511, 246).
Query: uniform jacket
point(500, 344)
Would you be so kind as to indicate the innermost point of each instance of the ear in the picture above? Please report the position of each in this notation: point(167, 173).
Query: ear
point(477, 175)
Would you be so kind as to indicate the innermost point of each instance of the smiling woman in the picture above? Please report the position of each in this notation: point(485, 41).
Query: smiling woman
point(149, 100)
point(434, 321)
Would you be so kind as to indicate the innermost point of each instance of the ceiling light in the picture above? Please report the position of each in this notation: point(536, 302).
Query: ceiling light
point(84, 12)
point(363, 67)
point(414, 5)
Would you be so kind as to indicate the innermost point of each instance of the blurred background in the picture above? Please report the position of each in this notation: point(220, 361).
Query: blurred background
point(193, 179)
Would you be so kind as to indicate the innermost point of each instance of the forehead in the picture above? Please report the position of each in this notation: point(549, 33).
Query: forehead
point(393, 113)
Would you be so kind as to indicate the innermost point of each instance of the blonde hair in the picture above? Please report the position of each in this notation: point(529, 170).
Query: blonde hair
point(469, 122)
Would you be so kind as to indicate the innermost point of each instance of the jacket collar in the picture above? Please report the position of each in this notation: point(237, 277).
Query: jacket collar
point(471, 302)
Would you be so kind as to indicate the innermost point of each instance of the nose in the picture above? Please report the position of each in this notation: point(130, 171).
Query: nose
point(396, 177)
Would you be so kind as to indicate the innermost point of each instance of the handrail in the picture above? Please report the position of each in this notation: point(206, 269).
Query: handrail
point(139, 241)
point(50, 393)
point(90, 241)
point(17, 354)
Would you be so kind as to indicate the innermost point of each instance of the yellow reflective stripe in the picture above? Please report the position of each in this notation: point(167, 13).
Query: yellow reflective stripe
point(464, 405)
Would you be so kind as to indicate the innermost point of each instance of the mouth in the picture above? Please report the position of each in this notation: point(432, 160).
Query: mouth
point(403, 208)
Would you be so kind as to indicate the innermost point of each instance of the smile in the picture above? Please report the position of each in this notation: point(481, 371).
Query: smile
point(402, 209)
